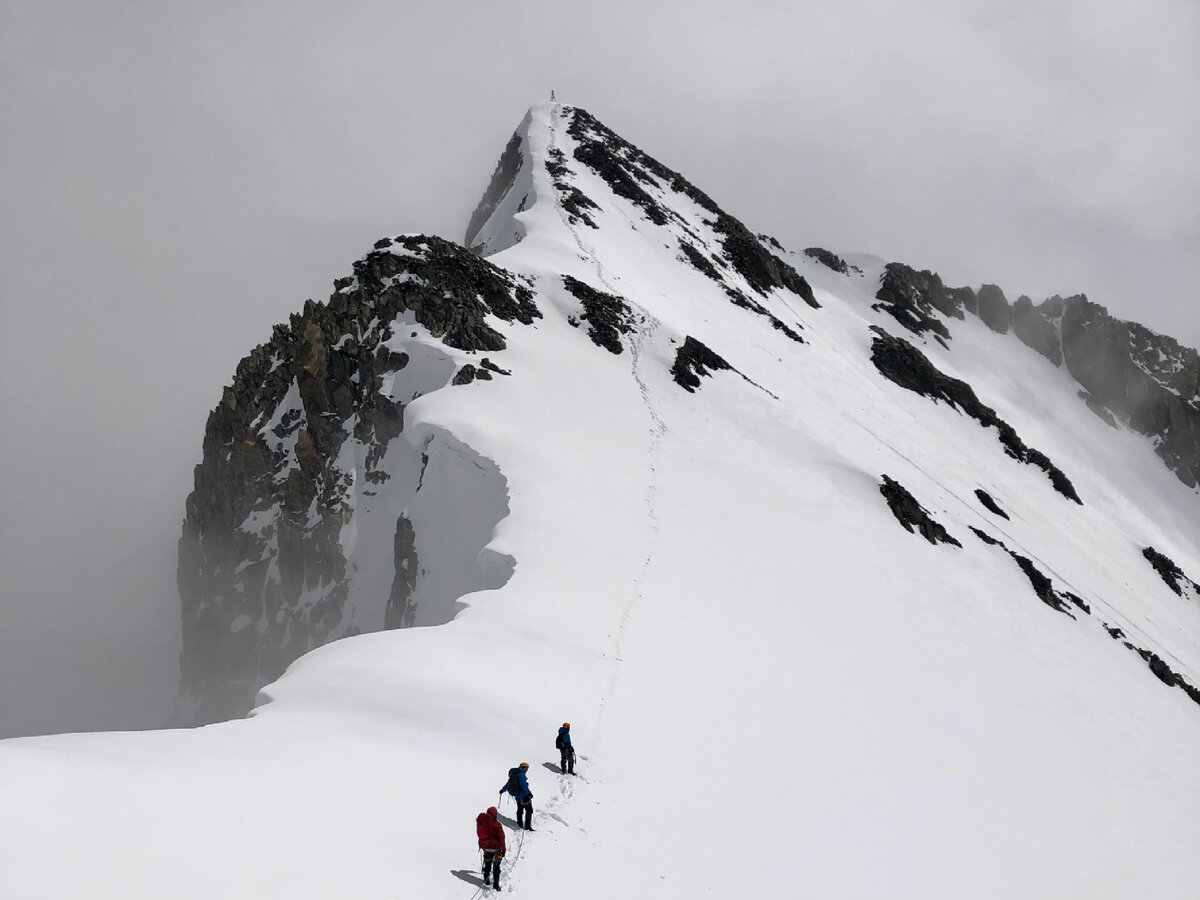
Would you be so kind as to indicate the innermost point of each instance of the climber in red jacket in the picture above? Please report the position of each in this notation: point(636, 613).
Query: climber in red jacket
point(491, 842)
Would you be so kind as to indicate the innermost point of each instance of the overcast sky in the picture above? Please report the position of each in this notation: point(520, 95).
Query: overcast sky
point(177, 177)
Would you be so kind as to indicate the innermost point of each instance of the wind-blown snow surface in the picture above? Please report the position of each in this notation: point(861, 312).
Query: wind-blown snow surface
point(775, 689)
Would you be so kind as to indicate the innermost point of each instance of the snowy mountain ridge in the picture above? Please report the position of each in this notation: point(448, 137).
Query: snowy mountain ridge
point(655, 474)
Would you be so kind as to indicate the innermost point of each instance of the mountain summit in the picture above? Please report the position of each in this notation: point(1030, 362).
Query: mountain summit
point(862, 584)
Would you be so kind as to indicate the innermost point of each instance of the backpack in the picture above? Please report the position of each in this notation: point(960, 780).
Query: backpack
point(558, 744)
point(513, 786)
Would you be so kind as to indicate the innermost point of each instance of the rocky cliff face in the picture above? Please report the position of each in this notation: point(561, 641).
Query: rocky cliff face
point(303, 448)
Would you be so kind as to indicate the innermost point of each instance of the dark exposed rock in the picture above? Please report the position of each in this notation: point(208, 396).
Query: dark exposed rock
point(629, 172)
point(465, 375)
point(830, 260)
point(492, 367)
point(904, 364)
point(1148, 380)
point(911, 298)
point(502, 179)
point(1077, 601)
point(617, 162)
point(1042, 585)
point(1170, 573)
point(573, 200)
point(761, 269)
point(1035, 331)
point(400, 611)
point(608, 316)
point(991, 505)
point(692, 360)
point(262, 526)
point(451, 291)
point(700, 261)
point(994, 309)
point(985, 537)
point(740, 299)
point(912, 515)
point(1161, 669)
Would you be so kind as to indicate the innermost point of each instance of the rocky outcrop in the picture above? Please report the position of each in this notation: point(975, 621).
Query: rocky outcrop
point(912, 297)
point(989, 504)
point(1158, 666)
point(905, 365)
point(1170, 573)
point(574, 202)
point(1062, 601)
point(830, 260)
point(993, 309)
point(608, 316)
point(692, 360)
point(637, 177)
point(1038, 580)
point(912, 515)
point(297, 445)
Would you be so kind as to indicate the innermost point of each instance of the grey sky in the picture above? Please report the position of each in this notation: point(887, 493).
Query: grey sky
point(177, 177)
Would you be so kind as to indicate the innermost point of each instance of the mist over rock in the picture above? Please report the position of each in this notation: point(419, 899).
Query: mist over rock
point(994, 309)
point(1131, 375)
point(1148, 381)
point(302, 452)
point(1035, 330)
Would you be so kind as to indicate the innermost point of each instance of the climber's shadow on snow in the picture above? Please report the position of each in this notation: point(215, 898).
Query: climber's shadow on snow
point(557, 770)
point(472, 878)
point(508, 822)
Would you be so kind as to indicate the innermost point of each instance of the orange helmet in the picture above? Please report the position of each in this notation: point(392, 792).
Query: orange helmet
point(566, 724)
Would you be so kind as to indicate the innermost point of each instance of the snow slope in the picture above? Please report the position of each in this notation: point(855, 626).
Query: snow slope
point(776, 690)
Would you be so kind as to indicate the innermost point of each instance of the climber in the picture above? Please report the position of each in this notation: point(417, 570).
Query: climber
point(491, 842)
point(566, 750)
point(518, 786)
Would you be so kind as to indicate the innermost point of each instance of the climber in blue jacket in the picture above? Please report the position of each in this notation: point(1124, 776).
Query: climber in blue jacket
point(565, 749)
point(518, 786)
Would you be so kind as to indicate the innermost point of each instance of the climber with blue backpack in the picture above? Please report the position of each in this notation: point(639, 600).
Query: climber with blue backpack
point(566, 750)
point(518, 786)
